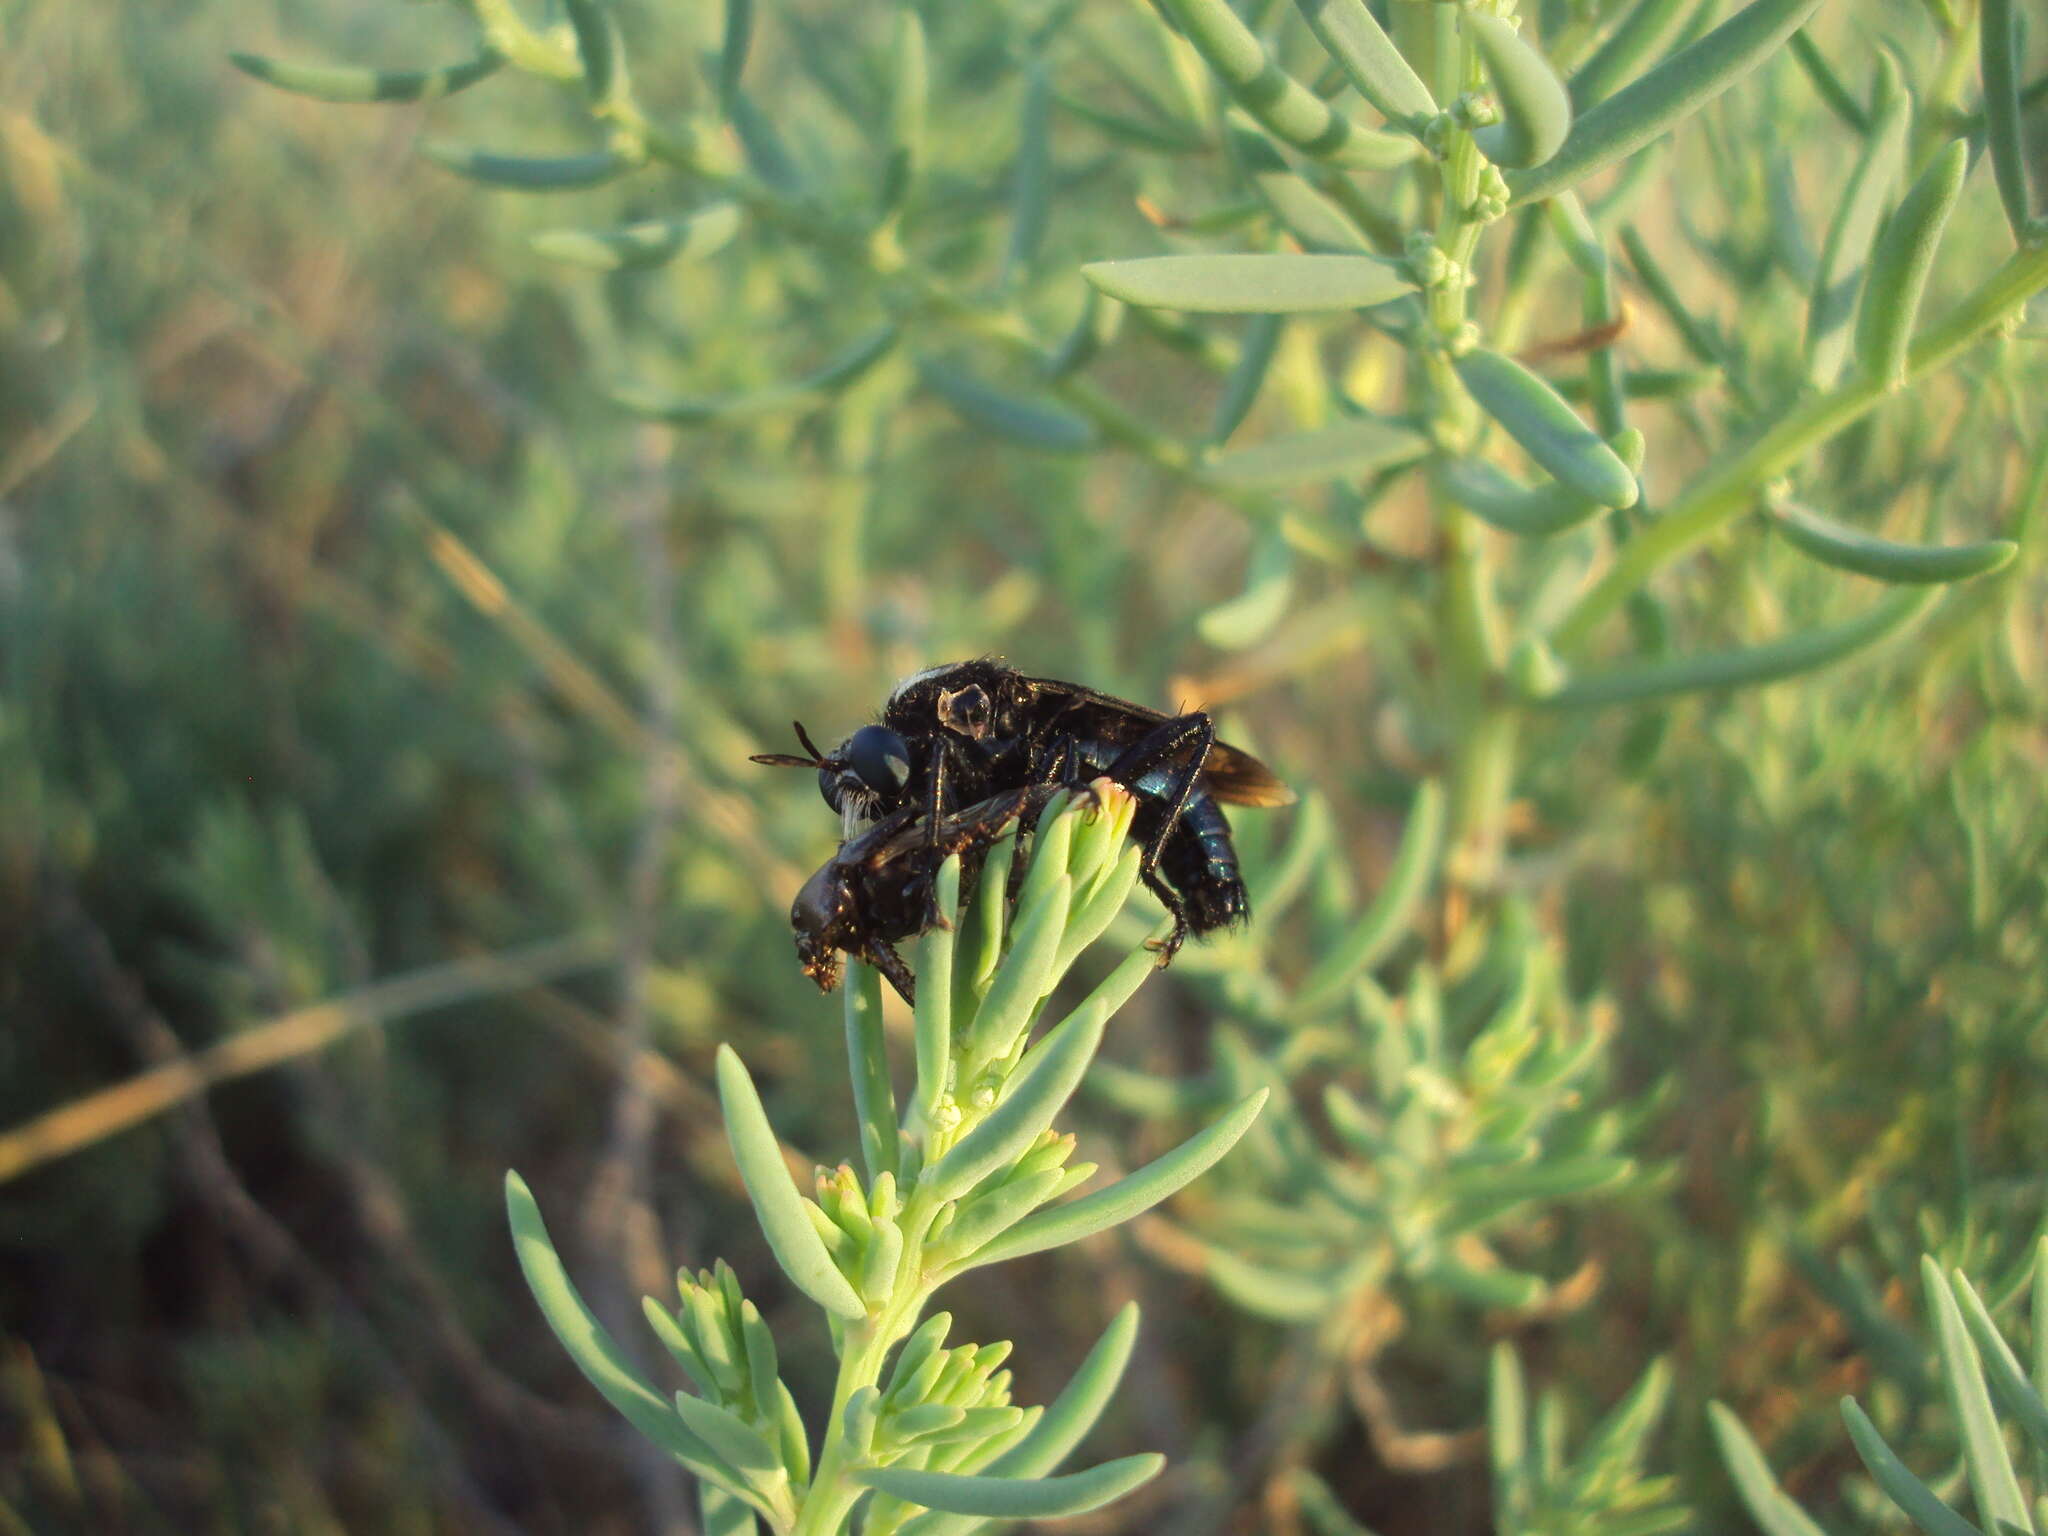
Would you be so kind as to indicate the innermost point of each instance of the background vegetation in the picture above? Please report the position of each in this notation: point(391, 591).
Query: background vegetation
point(375, 697)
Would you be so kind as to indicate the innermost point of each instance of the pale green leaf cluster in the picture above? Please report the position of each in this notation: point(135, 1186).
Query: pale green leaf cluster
point(1997, 1404)
point(972, 1173)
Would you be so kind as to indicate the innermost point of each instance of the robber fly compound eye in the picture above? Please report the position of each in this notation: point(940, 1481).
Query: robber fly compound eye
point(880, 758)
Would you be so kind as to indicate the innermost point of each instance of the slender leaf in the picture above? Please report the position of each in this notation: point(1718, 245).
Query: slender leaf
point(1655, 104)
point(1031, 178)
point(1035, 1096)
point(1369, 59)
point(593, 1349)
point(2008, 1379)
point(354, 83)
point(1747, 666)
point(780, 1209)
point(1769, 1505)
point(647, 243)
point(1129, 1196)
point(1998, 60)
point(1282, 105)
point(736, 1441)
point(1846, 251)
point(1900, 264)
point(1005, 1498)
point(1531, 511)
point(1851, 549)
point(1992, 1481)
point(1352, 447)
point(1547, 429)
point(531, 173)
point(1919, 1502)
point(1277, 284)
point(1031, 423)
point(1535, 110)
point(737, 38)
point(1638, 35)
point(1363, 945)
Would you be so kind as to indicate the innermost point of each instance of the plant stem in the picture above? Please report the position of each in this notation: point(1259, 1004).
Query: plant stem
point(1482, 732)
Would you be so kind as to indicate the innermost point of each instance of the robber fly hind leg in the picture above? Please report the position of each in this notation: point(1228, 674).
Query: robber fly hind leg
point(1185, 739)
point(1169, 946)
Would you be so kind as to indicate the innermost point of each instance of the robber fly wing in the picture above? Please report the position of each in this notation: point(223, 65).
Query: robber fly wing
point(1231, 774)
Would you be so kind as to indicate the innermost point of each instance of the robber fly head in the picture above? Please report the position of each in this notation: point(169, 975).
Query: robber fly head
point(864, 774)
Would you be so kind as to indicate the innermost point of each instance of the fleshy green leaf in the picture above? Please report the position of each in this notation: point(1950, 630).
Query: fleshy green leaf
point(1032, 423)
point(1129, 1196)
point(1351, 36)
point(1998, 59)
point(1313, 219)
point(1279, 284)
point(1769, 1506)
point(867, 1055)
point(1653, 105)
point(593, 1349)
point(531, 173)
point(1851, 549)
point(1530, 511)
point(934, 1007)
point(1992, 1480)
point(1252, 615)
point(650, 242)
point(1241, 386)
point(1026, 972)
point(1901, 262)
point(1846, 251)
point(1363, 945)
point(737, 37)
point(796, 1244)
point(1035, 1096)
point(904, 154)
point(600, 47)
point(352, 83)
point(1283, 1295)
point(2002, 1367)
point(736, 1441)
point(1535, 111)
point(1005, 1498)
point(1640, 33)
point(1747, 666)
point(1031, 178)
point(1547, 429)
point(1919, 1502)
point(1353, 446)
point(1282, 105)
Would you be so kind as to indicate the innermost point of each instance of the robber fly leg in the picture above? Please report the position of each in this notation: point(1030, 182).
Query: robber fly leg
point(1184, 741)
point(1169, 946)
point(935, 808)
point(883, 957)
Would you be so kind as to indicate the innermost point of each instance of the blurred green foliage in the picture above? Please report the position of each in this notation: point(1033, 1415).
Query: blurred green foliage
point(351, 632)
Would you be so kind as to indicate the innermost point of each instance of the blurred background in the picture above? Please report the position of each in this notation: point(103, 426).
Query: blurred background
point(375, 700)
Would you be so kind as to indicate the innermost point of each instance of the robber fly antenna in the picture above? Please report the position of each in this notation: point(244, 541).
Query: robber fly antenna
point(817, 759)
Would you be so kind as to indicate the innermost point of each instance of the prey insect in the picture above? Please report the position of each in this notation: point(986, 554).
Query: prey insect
point(955, 735)
point(878, 888)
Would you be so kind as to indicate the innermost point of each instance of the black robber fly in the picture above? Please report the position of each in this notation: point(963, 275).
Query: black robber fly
point(879, 887)
point(955, 735)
